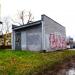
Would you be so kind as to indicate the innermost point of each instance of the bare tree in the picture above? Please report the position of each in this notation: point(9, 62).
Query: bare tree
point(7, 24)
point(24, 16)
point(5, 29)
point(30, 17)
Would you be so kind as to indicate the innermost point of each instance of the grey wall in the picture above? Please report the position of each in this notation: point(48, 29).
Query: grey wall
point(49, 27)
point(31, 38)
point(34, 39)
point(13, 40)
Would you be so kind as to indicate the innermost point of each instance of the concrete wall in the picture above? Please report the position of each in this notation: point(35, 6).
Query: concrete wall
point(54, 29)
point(13, 40)
point(34, 39)
point(30, 38)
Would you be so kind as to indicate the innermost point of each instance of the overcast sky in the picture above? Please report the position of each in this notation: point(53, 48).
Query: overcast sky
point(62, 11)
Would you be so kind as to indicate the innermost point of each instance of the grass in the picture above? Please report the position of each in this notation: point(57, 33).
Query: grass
point(28, 62)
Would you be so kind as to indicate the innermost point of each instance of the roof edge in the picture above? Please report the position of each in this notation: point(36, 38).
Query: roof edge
point(51, 19)
point(15, 27)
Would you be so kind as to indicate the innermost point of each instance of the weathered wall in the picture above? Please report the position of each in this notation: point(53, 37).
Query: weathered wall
point(54, 34)
point(31, 38)
point(13, 40)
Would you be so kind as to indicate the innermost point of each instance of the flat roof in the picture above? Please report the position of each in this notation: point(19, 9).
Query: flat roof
point(26, 25)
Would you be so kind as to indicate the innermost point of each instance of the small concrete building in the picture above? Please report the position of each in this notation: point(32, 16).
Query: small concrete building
point(45, 34)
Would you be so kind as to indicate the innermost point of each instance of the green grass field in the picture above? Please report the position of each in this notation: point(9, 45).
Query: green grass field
point(29, 63)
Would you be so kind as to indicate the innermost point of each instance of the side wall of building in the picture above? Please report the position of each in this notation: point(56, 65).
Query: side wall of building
point(13, 40)
point(31, 38)
point(54, 34)
point(34, 38)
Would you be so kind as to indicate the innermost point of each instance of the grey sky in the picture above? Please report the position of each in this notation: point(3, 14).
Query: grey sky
point(62, 11)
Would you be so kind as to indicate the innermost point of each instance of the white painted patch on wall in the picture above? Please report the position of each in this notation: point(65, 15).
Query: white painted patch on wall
point(23, 40)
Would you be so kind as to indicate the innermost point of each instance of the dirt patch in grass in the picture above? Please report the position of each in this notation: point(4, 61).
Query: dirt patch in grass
point(60, 68)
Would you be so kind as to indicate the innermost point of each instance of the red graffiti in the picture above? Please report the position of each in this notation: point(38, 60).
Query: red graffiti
point(57, 41)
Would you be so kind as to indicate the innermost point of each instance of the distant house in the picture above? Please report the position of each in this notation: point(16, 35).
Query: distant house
point(45, 34)
point(5, 40)
point(70, 42)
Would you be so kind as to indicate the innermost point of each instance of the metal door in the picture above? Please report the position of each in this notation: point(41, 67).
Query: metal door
point(18, 41)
